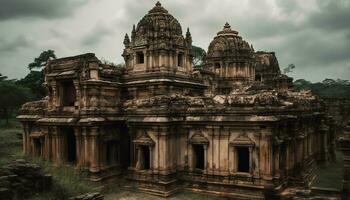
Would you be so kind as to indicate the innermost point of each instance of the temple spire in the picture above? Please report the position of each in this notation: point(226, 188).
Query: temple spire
point(188, 37)
point(126, 40)
point(158, 4)
point(133, 32)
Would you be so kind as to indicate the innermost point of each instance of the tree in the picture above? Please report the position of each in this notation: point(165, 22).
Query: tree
point(198, 55)
point(12, 97)
point(2, 78)
point(34, 81)
point(42, 59)
point(288, 69)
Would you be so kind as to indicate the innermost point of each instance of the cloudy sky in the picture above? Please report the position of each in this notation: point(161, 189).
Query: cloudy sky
point(314, 34)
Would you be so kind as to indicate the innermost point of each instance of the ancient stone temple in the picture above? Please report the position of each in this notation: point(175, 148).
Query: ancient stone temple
point(233, 127)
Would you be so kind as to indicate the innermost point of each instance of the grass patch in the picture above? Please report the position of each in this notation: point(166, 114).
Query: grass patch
point(10, 141)
point(331, 175)
point(67, 182)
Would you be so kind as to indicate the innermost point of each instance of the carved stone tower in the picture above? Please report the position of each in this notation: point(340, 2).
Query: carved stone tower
point(231, 59)
point(157, 44)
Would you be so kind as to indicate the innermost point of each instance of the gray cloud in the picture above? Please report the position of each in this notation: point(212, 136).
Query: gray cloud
point(16, 44)
point(98, 33)
point(332, 16)
point(314, 35)
point(12, 9)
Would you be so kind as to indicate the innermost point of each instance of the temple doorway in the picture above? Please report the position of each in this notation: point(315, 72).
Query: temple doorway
point(198, 156)
point(145, 158)
point(71, 145)
point(37, 146)
point(68, 94)
point(243, 158)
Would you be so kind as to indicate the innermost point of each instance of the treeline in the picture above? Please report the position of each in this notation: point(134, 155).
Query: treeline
point(328, 88)
point(14, 93)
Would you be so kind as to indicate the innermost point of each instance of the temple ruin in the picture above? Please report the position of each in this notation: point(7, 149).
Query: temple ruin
point(233, 127)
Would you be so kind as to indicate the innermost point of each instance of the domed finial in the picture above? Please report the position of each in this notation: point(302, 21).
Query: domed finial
point(158, 3)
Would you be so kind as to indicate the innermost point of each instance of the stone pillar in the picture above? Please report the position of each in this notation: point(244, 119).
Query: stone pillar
point(79, 144)
point(85, 156)
point(95, 162)
point(205, 148)
point(25, 136)
point(150, 157)
point(146, 56)
point(251, 169)
point(58, 145)
point(138, 160)
point(277, 161)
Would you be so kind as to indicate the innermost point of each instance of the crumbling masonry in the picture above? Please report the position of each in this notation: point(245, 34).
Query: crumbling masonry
point(232, 127)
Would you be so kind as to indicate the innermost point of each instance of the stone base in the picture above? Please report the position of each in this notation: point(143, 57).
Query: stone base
point(155, 184)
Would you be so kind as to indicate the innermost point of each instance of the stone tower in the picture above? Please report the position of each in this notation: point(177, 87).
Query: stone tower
point(157, 44)
point(231, 59)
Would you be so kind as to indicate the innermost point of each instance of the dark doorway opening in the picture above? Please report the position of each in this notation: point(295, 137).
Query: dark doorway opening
point(124, 145)
point(198, 156)
point(179, 59)
point(145, 157)
point(258, 77)
point(140, 57)
point(37, 146)
point(112, 152)
point(71, 145)
point(243, 159)
point(68, 93)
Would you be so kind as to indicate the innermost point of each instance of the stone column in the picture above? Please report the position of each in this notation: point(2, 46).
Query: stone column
point(277, 161)
point(95, 163)
point(78, 142)
point(205, 148)
point(150, 157)
point(25, 136)
point(55, 95)
point(137, 164)
point(251, 160)
point(58, 145)
point(85, 156)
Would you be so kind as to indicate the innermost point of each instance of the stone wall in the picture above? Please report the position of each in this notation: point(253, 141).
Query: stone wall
point(20, 179)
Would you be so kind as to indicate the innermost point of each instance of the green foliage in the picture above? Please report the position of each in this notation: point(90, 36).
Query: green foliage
point(2, 78)
point(198, 55)
point(67, 181)
point(328, 88)
point(42, 59)
point(288, 69)
point(330, 176)
point(34, 81)
point(12, 97)
point(10, 141)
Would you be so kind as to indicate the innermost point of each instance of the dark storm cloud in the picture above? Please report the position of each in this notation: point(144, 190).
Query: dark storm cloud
point(15, 44)
point(332, 16)
point(14, 9)
point(312, 34)
point(98, 33)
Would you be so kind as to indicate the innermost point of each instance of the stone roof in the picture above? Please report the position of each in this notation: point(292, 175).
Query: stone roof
point(227, 43)
point(157, 25)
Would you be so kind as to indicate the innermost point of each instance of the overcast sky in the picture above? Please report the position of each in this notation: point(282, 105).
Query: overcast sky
point(312, 34)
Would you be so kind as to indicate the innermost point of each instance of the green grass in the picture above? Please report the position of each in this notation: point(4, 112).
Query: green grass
point(67, 182)
point(10, 141)
point(331, 175)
